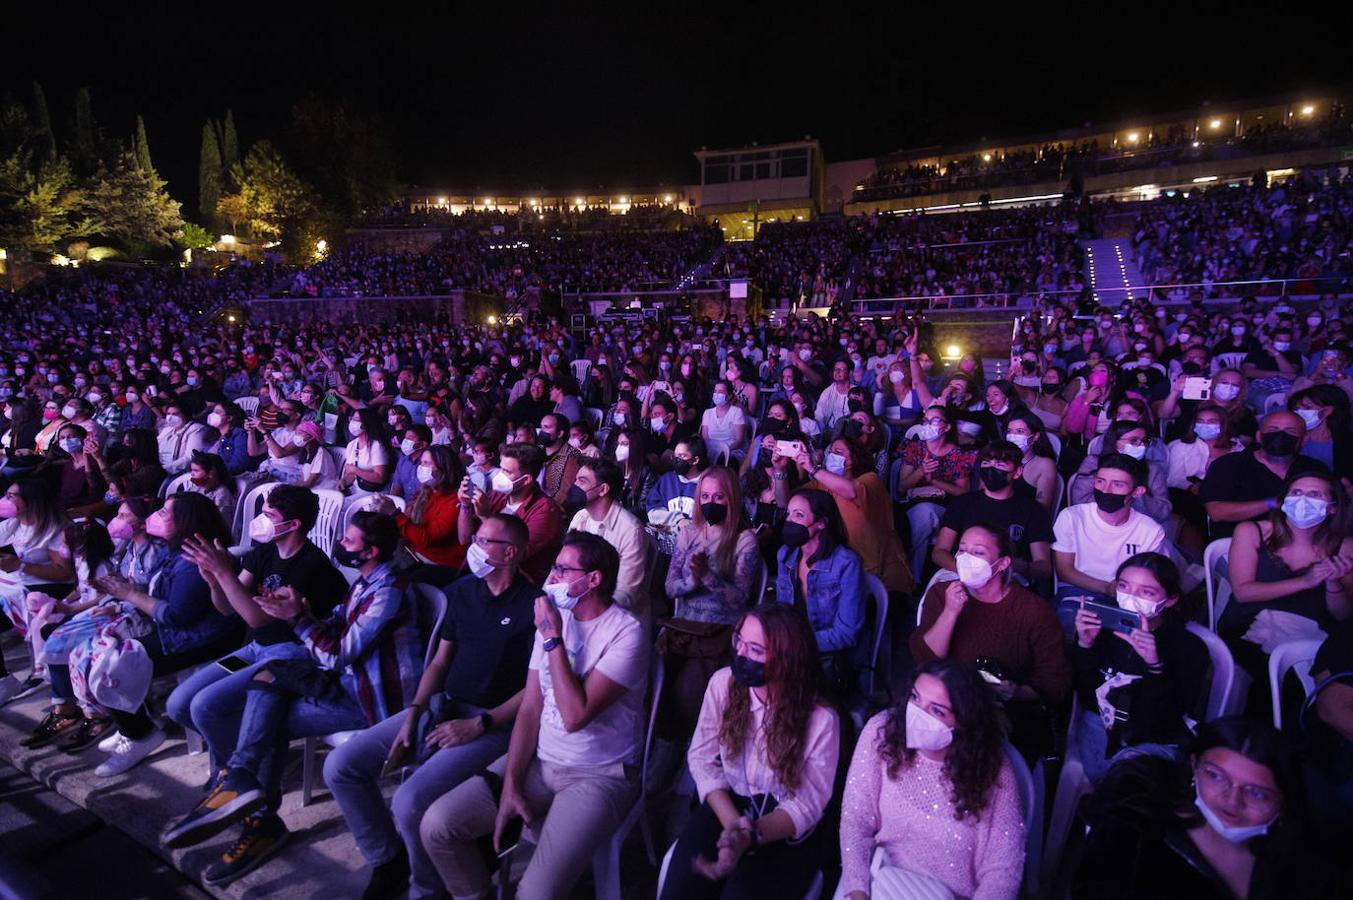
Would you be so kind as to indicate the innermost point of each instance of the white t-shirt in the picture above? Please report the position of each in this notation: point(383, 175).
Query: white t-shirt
point(368, 457)
point(721, 427)
point(1100, 548)
point(613, 644)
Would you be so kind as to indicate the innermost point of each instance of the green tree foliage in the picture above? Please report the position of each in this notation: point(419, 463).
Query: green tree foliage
point(132, 207)
point(345, 156)
point(42, 123)
point(84, 145)
point(141, 147)
point(230, 143)
point(209, 175)
point(41, 204)
point(195, 237)
point(272, 202)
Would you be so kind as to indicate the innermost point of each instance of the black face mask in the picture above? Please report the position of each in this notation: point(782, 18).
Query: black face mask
point(714, 513)
point(350, 558)
point(1049, 388)
point(1110, 503)
point(682, 467)
point(1028, 366)
point(1191, 368)
point(748, 672)
point(995, 479)
point(794, 535)
point(854, 405)
point(852, 429)
point(545, 438)
point(576, 498)
point(773, 426)
point(1278, 444)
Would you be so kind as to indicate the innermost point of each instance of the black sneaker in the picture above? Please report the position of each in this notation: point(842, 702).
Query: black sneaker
point(389, 879)
point(260, 838)
point(234, 797)
point(52, 726)
point(90, 732)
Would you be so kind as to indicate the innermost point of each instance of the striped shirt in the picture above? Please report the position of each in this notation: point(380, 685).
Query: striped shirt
point(372, 639)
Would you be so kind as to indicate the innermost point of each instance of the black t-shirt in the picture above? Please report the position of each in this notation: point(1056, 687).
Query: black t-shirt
point(309, 572)
point(1238, 477)
point(1023, 518)
point(493, 638)
point(1268, 362)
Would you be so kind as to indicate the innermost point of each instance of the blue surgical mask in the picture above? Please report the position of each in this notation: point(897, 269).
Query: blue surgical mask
point(1208, 431)
point(835, 463)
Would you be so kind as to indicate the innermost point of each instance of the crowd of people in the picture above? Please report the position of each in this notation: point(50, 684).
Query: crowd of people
point(1299, 228)
point(1176, 145)
point(728, 504)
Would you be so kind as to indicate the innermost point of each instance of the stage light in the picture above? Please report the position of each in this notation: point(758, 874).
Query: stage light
point(1307, 109)
point(493, 320)
point(1215, 124)
point(953, 351)
point(1132, 137)
point(666, 198)
point(986, 157)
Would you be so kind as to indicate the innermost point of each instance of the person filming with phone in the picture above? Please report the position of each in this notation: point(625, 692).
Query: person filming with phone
point(571, 769)
point(1137, 682)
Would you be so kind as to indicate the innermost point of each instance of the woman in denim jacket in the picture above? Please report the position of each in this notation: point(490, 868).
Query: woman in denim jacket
point(820, 573)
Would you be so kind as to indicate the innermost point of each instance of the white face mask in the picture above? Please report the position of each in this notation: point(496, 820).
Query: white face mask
point(897, 377)
point(502, 482)
point(1305, 512)
point(262, 530)
point(1019, 440)
point(67, 412)
point(928, 432)
point(1311, 417)
point(355, 427)
point(407, 447)
point(1139, 605)
point(622, 452)
point(925, 732)
point(478, 561)
point(1226, 391)
point(973, 571)
point(1234, 834)
point(424, 474)
point(215, 420)
point(575, 443)
point(173, 421)
point(1136, 451)
point(835, 463)
point(559, 595)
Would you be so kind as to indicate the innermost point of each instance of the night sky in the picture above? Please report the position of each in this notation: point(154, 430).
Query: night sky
point(509, 99)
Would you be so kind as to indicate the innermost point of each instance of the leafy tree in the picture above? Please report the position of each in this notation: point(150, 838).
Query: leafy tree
point(84, 146)
point(344, 154)
point(141, 147)
point(272, 202)
point(209, 175)
point(41, 205)
point(42, 123)
point(194, 237)
point(132, 207)
point(230, 144)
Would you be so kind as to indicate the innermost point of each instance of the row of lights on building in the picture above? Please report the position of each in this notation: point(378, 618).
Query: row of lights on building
point(578, 202)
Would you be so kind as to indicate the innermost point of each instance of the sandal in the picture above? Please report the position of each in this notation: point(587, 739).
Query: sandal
point(53, 726)
point(90, 732)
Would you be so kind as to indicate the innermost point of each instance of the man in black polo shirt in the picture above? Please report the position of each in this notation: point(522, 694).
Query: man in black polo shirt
point(1247, 484)
point(478, 675)
point(282, 556)
point(1000, 504)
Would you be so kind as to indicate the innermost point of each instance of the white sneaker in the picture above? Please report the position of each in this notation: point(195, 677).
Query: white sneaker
point(127, 753)
point(107, 744)
point(12, 688)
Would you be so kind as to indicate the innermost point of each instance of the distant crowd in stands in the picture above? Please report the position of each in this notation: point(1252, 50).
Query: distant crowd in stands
point(1176, 145)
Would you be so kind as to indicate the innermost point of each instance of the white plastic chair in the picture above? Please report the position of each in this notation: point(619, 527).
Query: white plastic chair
point(250, 506)
point(248, 404)
point(580, 368)
point(432, 607)
point(1031, 805)
point(1056, 442)
point(339, 456)
point(595, 416)
point(1275, 402)
point(177, 484)
point(1227, 361)
point(759, 588)
point(325, 532)
point(1059, 498)
point(1293, 656)
point(1230, 683)
point(1216, 568)
point(876, 590)
point(939, 576)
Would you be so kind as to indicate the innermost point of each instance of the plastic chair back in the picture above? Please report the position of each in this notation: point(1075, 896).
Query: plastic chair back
point(1229, 684)
point(1293, 656)
point(1216, 568)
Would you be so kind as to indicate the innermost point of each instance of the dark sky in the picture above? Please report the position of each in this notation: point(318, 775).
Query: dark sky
point(509, 98)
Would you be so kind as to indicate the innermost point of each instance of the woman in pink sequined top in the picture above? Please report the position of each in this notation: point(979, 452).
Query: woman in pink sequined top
point(929, 785)
point(763, 758)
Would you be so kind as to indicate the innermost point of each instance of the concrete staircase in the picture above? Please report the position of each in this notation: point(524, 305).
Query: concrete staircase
point(1111, 271)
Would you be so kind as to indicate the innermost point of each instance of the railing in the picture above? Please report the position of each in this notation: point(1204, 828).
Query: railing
point(1160, 293)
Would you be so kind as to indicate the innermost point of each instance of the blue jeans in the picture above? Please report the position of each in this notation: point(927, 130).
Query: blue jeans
point(1093, 742)
point(211, 700)
point(58, 676)
point(352, 773)
point(272, 718)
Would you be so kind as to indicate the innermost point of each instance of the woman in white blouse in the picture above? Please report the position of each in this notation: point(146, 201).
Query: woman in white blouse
point(366, 462)
point(1189, 458)
point(764, 760)
point(179, 438)
point(724, 425)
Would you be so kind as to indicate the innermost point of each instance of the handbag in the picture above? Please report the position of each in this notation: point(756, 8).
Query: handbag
point(119, 676)
point(694, 640)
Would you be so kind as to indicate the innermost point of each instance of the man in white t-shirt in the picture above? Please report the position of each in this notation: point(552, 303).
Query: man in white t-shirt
point(571, 771)
point(1092, 539)
point(596, 489)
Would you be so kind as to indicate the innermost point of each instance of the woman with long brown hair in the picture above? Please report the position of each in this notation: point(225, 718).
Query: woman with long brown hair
point(930, 787)
point(428, 526)
point(764, 761)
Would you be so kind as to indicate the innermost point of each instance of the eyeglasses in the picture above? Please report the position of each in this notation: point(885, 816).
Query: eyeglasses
point(557, 569)
point(481, 540)
point(739, 645)
point(1251, 795)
